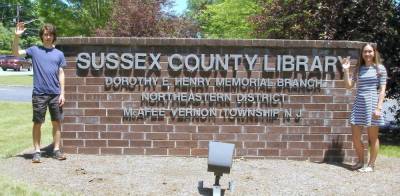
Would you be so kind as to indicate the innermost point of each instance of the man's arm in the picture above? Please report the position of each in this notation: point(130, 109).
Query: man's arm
point(62, 79)
point(15, 46)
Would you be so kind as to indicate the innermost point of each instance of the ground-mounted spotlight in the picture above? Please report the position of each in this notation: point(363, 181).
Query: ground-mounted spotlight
point(220, 156)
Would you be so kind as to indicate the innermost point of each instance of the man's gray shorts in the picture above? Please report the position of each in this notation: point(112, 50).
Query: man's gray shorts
point(40, 104)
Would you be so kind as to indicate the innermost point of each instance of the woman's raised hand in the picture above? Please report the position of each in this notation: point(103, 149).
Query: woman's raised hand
point(345, 63)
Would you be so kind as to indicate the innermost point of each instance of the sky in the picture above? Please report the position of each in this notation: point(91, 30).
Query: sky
point(180, 6)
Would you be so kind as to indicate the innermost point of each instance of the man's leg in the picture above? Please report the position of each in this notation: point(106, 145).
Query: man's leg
point(56, 114)
point(39, 112)
point(56, 134)
point(36, 135)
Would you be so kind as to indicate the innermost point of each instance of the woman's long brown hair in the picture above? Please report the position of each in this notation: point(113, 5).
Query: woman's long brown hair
point(361, 62)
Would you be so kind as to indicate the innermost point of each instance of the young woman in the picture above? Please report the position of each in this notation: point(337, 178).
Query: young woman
point(369, 77)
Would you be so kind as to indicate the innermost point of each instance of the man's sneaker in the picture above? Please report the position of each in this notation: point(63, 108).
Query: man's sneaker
point(36, 157)
point(57, 154)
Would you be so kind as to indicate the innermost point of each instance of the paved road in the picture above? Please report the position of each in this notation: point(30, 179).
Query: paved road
point(10, 72)
point(15, 93)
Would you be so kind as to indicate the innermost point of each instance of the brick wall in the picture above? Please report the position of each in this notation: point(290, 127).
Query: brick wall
point(94, 122)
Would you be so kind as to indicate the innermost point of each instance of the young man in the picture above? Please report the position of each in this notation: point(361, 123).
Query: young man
point(48, 85)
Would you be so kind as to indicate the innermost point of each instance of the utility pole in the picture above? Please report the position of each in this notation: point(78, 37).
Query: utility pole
point(18, 8)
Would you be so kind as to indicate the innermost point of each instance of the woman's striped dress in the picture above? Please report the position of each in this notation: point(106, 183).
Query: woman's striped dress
point(367, 95)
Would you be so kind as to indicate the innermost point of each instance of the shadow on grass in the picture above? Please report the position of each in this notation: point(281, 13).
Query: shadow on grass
point(46, 151)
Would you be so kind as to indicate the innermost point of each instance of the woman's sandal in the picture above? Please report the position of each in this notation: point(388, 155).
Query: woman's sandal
point(369, 168)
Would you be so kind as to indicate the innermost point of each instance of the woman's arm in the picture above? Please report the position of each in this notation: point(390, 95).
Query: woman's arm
point(381, 96)
point(346, 69)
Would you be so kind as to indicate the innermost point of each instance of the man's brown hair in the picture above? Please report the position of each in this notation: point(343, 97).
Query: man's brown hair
point(51, 29)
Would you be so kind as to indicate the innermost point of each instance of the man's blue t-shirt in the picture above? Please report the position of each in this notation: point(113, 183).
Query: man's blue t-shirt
point(46, 63)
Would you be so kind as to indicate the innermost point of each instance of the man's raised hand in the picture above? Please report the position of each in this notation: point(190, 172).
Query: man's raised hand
point(20, 28)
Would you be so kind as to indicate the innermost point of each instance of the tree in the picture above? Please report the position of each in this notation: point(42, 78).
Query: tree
point(286, 19)
point(391, 54)
point(8, 10)
point(194, 7)
point(5, 38)
point(137, 18)
point(18, 10)
point(182, 27)
point(134, 18)
point(92, 14)
point(228, 19)
point(75, 17)
point(362, 20)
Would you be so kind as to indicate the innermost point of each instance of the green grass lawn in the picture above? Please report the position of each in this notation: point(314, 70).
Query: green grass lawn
point(15, 136)
point(11, 187)
point(16, 128)
point(5, 51)
point(389, 150)
point(15, 80)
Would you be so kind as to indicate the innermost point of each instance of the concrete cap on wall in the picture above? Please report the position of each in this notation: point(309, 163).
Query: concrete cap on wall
point(142, 41)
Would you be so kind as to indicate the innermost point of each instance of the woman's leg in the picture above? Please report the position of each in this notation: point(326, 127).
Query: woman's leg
point(359, 147)
point(373, 132)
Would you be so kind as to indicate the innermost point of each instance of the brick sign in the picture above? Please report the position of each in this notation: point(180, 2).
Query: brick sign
point(280, 99)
